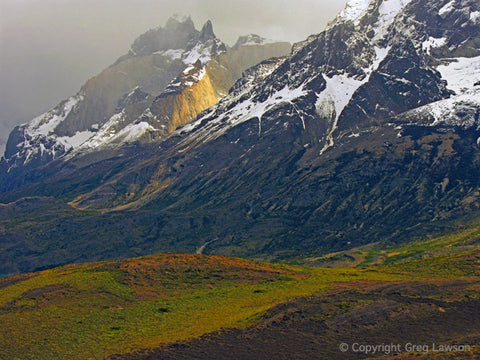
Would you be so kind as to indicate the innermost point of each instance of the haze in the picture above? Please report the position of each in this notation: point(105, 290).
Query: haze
point(49, 48)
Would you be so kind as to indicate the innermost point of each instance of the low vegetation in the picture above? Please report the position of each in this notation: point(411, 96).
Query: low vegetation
point(97, 310)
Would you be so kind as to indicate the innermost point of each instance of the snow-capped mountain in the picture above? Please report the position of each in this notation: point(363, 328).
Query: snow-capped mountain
point(169, 75)
point(376, 60)
point(366, 132)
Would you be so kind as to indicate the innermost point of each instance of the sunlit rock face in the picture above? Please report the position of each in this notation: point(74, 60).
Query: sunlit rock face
point(169, 76)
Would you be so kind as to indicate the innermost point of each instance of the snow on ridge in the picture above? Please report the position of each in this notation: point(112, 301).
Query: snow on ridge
point(249, 109)
point(133, 91)
point(461, 74)
point(447, 8)
point(200, 51)
point(199, 75)
point(388, 10)
point(116, 131)
point(105, 134)
point(46, 124)
point(241, 112)
point(460, 110)
point(354, 10)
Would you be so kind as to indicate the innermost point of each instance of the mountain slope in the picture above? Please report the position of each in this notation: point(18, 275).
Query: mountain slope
point(365, 133)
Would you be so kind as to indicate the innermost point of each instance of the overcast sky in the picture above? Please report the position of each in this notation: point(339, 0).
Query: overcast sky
point(49, 48)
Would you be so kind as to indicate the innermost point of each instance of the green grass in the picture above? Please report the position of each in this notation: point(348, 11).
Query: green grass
point(95, 310)
point(91, 311)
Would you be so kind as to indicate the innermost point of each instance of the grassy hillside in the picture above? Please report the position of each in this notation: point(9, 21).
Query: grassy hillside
point(143, 308)
point(464, 239)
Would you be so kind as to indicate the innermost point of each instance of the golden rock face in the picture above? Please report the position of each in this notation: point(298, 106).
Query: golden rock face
point(152, 73)
point(220, 75)
point(180, 108)
point(193, 101)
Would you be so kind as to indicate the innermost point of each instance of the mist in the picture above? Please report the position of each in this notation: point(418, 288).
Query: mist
point(49, 48)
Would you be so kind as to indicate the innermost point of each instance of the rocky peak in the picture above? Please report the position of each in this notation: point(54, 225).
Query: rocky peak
point(178, 33)
point(207, 32)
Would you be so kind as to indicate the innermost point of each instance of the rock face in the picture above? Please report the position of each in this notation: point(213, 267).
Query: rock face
point(366, 132)
point(167, 78)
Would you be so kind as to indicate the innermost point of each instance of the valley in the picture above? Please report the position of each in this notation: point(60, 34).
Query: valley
point(319, 200)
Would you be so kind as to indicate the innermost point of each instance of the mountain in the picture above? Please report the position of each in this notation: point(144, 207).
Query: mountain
point(366, 133)
point(167, 78)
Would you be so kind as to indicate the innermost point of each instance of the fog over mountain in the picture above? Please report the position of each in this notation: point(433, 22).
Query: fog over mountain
point(49, 48)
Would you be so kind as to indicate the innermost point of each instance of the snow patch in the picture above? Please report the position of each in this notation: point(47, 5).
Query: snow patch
point(46, 124)
point(133, 132)
point(133, 91)
point(380, 55)
point(199, 52)
point(475, 17)
point(172, 54)
point(434, 43)
point(461, 74)
point(447, 8)
point(72, 142)
point(332, 100)
point(339, 91)
point(200, 75)
point(337, 94)
point(340, 88)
